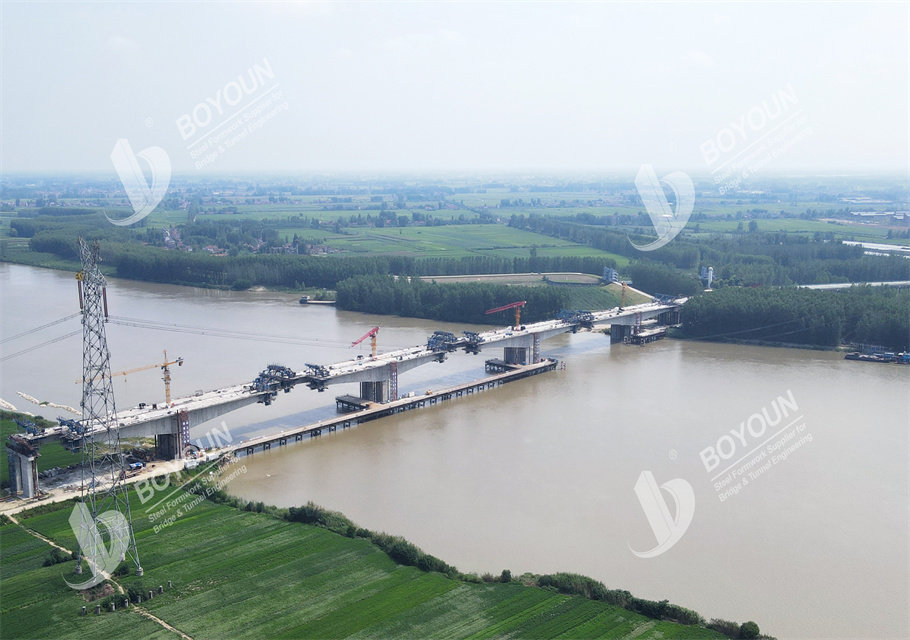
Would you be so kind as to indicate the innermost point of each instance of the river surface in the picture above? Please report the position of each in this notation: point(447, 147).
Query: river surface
point(540, 475)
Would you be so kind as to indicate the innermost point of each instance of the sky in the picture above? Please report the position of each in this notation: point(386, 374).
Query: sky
point(455, 87)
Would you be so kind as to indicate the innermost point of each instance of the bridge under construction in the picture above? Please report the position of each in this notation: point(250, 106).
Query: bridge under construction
point(170, 422)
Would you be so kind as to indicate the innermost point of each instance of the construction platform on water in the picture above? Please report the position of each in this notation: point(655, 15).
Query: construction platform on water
point(360, 410)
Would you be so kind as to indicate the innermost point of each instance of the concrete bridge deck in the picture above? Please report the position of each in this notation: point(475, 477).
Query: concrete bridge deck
point(381, 372)
point(375, 411)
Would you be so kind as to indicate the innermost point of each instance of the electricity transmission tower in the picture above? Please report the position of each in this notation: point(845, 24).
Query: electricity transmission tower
point(103, 466)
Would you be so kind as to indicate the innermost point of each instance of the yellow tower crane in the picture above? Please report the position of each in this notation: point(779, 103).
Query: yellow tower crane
point(164, 366)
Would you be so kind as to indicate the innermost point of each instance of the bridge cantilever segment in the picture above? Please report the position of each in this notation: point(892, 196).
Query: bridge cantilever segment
point(378, 377)
point(522, 344)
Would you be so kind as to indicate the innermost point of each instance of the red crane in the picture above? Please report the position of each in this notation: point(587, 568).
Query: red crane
point(369, 334)
point(514, 305)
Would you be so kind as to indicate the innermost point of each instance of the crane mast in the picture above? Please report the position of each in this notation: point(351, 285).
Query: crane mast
point(164, 366)
point(371, 334)
point(514, 305)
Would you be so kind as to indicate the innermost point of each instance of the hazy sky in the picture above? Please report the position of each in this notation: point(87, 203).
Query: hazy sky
point(457, 86)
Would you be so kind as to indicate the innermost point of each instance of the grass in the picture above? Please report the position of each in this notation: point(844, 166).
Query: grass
point(241, 574)
point(53, 454)
point(632, 296)
point(592, 298)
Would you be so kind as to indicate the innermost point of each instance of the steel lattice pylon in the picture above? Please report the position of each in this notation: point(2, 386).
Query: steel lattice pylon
point(103, 466)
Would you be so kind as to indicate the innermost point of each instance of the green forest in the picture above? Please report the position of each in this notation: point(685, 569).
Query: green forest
point(861, 315)
point(456, 302)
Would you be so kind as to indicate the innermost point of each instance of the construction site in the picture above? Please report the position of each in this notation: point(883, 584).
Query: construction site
point(118, 446)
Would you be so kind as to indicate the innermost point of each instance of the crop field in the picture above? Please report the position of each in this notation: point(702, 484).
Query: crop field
point(845, 230)
point(242, 574)
point(453, 241)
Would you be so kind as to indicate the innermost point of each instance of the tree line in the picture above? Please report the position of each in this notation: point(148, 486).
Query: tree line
point(454, 302)
point(757, 258)
point(128, 251)
point(657, 278)
point(860, 315)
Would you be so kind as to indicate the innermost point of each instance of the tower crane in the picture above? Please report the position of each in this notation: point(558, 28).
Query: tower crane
point(622, 304)
point(164, 366)
point(514, 305)
point(371, 334)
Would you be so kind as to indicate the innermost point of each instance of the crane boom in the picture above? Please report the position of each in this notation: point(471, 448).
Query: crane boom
point(512, 305)
point(164, 366)
point(371, 334)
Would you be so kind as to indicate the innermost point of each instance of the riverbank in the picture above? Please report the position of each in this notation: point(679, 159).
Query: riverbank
point(50, 261)
point(295, 579)
point(678, 335)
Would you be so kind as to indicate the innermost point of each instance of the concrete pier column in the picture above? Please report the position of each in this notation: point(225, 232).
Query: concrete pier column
point(515, 355)
point(619, 332)
point(29, 477)
point(13, 458)
point(23, 466)
point(375, 391)
point(166, 446)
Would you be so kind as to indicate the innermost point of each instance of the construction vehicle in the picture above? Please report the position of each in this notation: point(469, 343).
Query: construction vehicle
point(514, 305)
point(164, 366)
point(371, 334)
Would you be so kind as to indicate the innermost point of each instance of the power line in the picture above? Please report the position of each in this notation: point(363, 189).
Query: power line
point(44, 326)
point(225, 333)
point(733, 333)
point(38, 346)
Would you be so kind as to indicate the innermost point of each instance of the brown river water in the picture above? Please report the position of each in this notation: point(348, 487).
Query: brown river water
point(540, 475)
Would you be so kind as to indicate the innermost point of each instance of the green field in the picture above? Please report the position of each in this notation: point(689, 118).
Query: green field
point(841, 230)
point(239, 574)
point(454, 241)
point(593, 298)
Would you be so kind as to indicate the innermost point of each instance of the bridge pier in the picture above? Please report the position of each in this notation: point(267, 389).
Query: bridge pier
point(619, 333)
point(166, 446)
point(375, 391)
point(23, 468)
point(515, 355)
point(669, 317)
